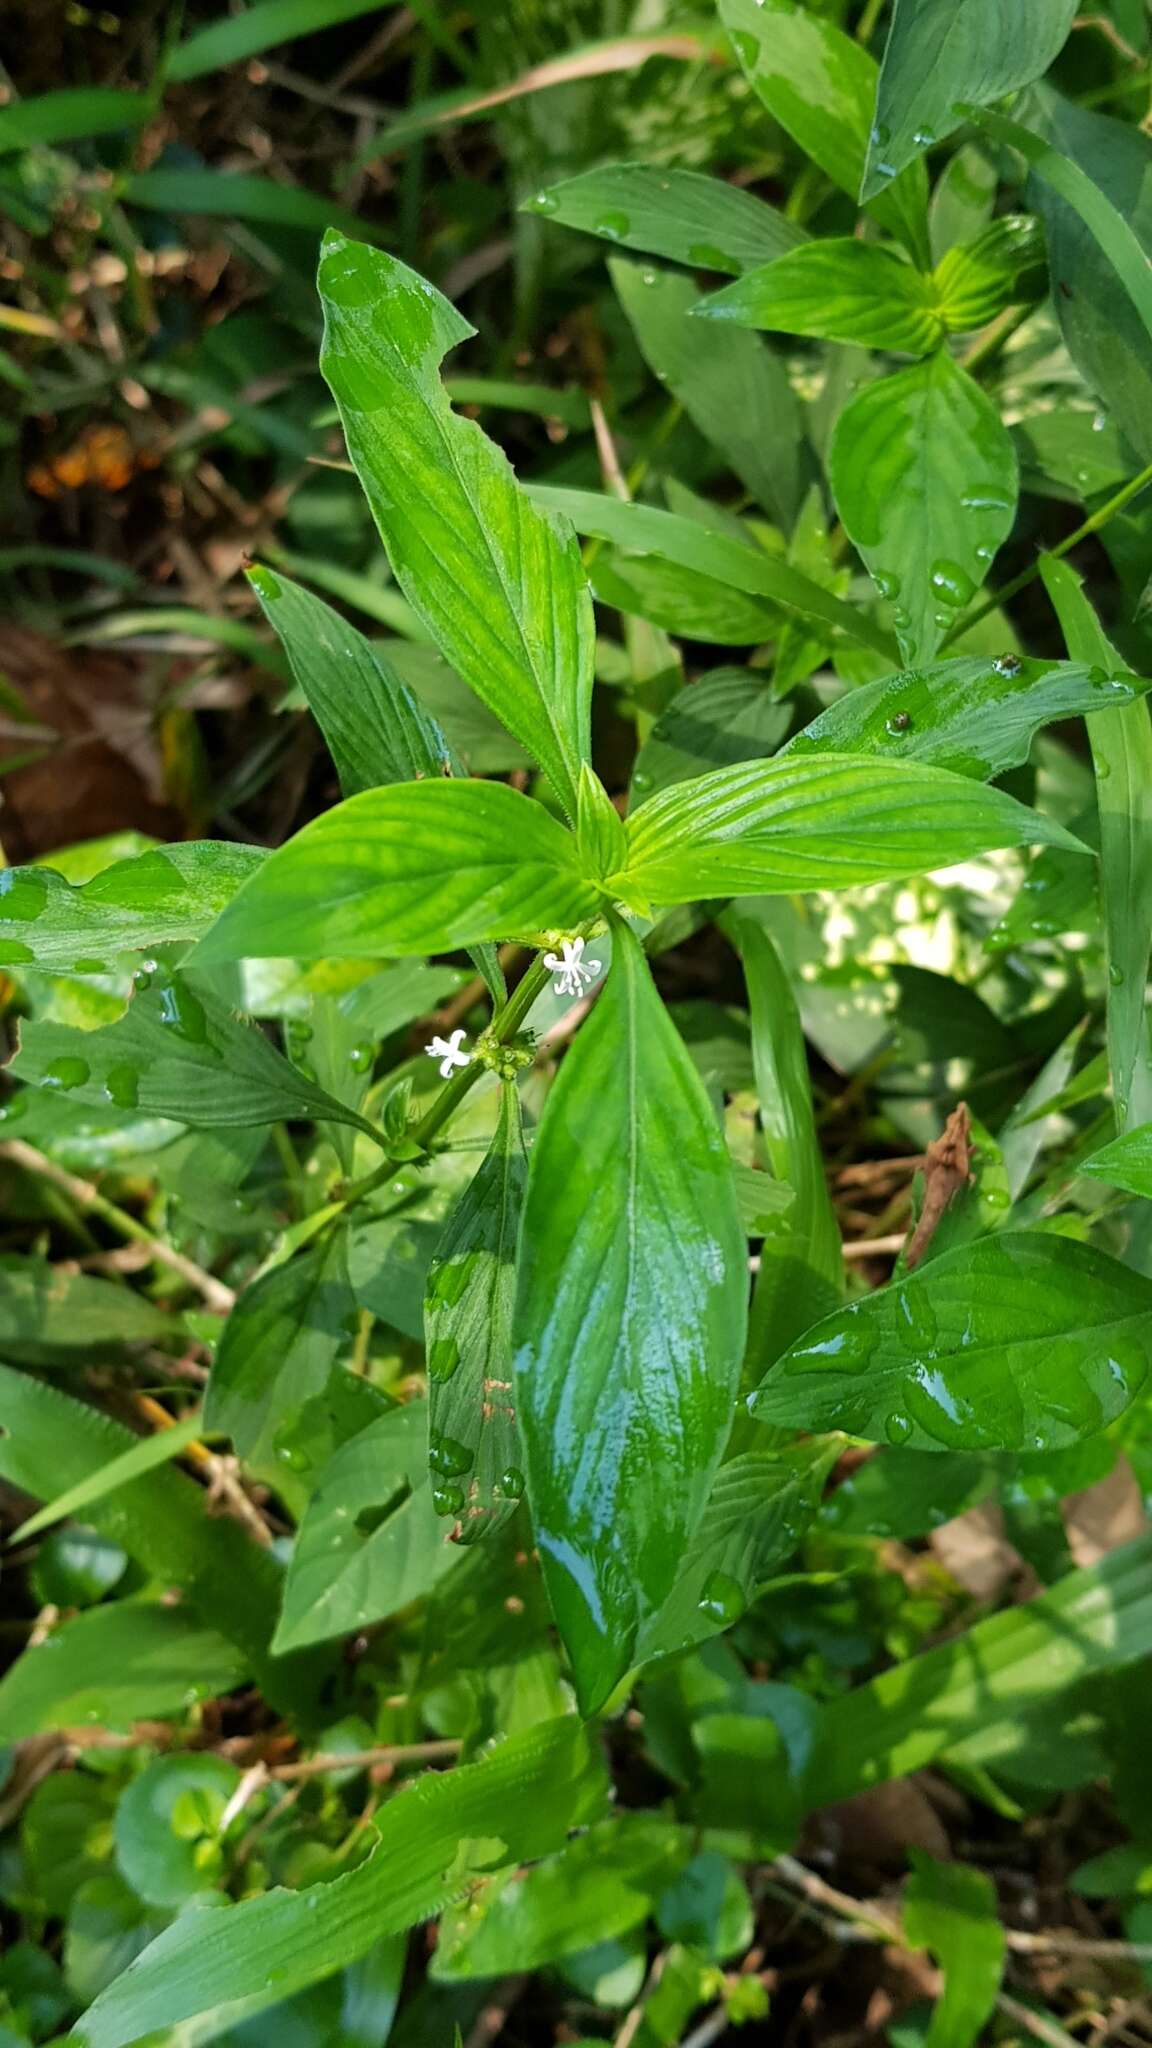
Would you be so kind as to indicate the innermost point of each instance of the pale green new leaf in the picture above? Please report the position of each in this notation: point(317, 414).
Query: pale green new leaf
point(630, 1320)
point(432, 1839)
point(703, 222)
point(169, 894)
point(941, 53)
point(952, 1909)
point(733, 387)
point(838, 290)
point(497, 581)
point(978, 279)
point(832, 821)
point(421, 867)
point(1018, 1342)
point(925, 480)
point(820, 85)
point(130, 1661)
point(974, 715)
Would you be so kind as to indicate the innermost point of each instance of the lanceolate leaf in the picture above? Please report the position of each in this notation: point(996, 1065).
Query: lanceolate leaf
point(941, 53)
point(497, 581)
point(975, 715)
point(821, 86)
point(178, 1054)
point(725, 716)
point(775, 827)
point(732, 385)
point(1122, 752)
point(924, 476)
point(840, 290)
point(630, 1321)
point(473, 1440)
point(49, 1316)
point(376, 730)
point(1019, 1342)
point(278, 1348)
point(170, 894)
point(421, 867)
point(952, 1909)
point(703, 222)
point(1125, 1163)
point(433, 1837)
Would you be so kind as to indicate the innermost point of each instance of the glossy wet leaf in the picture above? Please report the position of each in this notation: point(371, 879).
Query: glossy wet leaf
point(820, 84)
point(473, 1438)
point(833, 821)
point(599, 1886)
point(725, 716)
point(703, 222)
point(952, 1909)
point(126, 1662)
point(176, 1053)
point(1019, 1342)
point(630, 1321)
point(171, 893)
point(974, 715)
point(497, 581)
point(371, 1539)
point(941, 53)
point(746, 567)
point(377, 731)
point(732, 386)
point(278, 1348)
point(50, 1316)
point(924, 476)
point(432, 1839)
point(1125, 1163)
point(837, 290)
point(422, 867)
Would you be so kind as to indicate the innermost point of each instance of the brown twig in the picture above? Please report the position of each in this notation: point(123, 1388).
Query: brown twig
point(363, 1759)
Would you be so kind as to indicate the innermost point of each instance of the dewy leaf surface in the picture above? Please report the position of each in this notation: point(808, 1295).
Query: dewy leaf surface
point(703, 222)
point(830, 822)
point(421, 867)
point(941, 53)
point(630, 1320)
point(171, 893)
point(497, 581)
point(925, 479)
point(1019, 1342)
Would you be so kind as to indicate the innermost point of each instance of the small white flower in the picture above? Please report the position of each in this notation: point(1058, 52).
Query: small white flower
point(447, 1051)
point(574, 972)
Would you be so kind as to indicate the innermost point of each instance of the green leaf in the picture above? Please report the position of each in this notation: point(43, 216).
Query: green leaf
point(1094, 193)
point(70, 116)
point(975, 1693)
point(166, 1819)
point(260, 27)
point(235, 195)
point(474, 1443)
point(725, 716)
point(371, 1540)
point(376, 731)
point(924, 476)
point(681, 601)
point(952, 1909)
point(169, 894)
point(832, 822)
point(1122, 754)
point(1125, 1163)
point(278, 1347)
point(421, 867)
point(498, 583)
point(801, 1262)
point(978, 279)
point(628, 1352)
point(116, 1665)
point(48, 1315)
point(702, 222)
point(731, 385)
point(973, 715)
point(178, 1054)
point(838, 290)
point(431, 1838)
point(144, 1456)
point(943, 52)
point(598, 1887)
point(646, 530)
point(963, 198)
point(821, 86)
point(1019, 1342)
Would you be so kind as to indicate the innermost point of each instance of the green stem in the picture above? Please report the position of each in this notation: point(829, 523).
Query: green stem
point(1092, 524)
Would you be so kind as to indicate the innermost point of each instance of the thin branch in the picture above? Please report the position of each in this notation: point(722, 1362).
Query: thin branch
point(363, 1759)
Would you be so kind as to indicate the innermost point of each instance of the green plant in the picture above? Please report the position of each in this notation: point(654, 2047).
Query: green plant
point(548, 1383)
